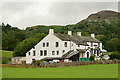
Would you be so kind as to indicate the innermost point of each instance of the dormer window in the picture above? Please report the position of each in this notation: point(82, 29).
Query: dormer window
point(65, 44)
point(57, 44)
point(43, 44)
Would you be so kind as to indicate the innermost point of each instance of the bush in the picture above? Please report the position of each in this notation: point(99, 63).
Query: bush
point(115, 56)
point(92, 57)
point(5, 60)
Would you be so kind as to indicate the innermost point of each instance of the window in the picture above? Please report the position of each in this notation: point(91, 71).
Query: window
point(45, 52)
point(87, 54)
point(33, 53)
point(94, 51)
point(57, 52)
point(53, 52)
point(98, 44)
point(29, 53)
point(57, 44)
point(63, 51)
point(17, 59)
point(41, 52)
point(47, 44)
point(65, 44)
point(91, 44)
point(43, 44)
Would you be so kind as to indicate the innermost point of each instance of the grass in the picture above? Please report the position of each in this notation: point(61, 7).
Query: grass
point(88, 71)
point(6, 53)
point(6, 56)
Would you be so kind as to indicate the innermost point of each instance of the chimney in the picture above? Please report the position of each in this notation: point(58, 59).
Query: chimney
point(70, 33)
point(51, 31)
point(93, 35)
point(79, 33)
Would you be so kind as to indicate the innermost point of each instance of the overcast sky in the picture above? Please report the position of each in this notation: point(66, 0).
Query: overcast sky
point(26, 14)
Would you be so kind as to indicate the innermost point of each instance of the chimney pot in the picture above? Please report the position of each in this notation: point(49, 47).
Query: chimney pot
point(69, 32)
point(93, 35)
point(79, 33)
point(51, 31)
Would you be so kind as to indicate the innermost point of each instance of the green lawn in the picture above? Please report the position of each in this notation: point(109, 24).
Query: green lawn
point(5, 53)
point(6, 56)
point(88, 71)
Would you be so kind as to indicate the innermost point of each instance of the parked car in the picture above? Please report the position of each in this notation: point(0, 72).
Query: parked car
point(97, 58)
point(105, 57)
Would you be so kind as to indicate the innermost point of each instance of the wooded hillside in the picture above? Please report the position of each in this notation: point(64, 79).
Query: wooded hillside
point(104, 24)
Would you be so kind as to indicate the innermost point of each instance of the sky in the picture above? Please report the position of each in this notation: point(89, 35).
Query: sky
point(26, 14)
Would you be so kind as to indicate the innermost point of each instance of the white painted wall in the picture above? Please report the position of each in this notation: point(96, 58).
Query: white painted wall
point(51, 39)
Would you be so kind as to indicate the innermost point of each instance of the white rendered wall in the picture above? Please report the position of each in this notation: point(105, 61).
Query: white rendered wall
point(51, 39)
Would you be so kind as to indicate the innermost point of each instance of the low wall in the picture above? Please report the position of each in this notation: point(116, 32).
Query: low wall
point(79, 63)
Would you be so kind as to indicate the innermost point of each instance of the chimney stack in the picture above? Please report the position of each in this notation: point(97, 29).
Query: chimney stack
point(51, 31)
point(93, 35)
point(70, 33)
point(79, 33)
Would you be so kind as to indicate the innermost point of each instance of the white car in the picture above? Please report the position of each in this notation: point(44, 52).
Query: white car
point(105, 57)
point(97, 58)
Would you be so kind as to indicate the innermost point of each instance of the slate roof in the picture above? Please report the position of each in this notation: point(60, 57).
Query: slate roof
point(76, 39)
point(72, 52)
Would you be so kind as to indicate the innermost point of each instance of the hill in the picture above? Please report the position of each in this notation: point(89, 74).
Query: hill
point(103, 23)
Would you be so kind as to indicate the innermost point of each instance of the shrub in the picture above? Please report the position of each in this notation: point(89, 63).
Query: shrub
point(92, 57)
point(5, 60)
point(114, 56)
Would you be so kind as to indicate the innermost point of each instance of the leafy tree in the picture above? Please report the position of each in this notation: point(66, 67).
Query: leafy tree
point(27, 44)
point(113, 45)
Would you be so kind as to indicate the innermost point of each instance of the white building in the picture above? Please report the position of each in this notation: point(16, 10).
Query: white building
point(57, 46)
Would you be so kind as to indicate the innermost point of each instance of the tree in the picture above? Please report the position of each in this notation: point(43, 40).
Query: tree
point(113, 45)
point(27, 44)
point(11, 39)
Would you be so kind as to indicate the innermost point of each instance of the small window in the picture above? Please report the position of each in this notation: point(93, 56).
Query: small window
point(29, 53)
point(17, 59)
point(63, 51)
point(65, 44)
point(87, 54)
point(33, 47)
point(57, 44)
point(33, 53)
point(41, 52)
point(43, 44)
point(91, 44)
point(98, 44)
point(53, 52)
point(47, 44)
point(57, 52)
point(45, 52)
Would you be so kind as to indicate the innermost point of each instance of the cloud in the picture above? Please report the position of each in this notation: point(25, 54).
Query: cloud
point(25, 14)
